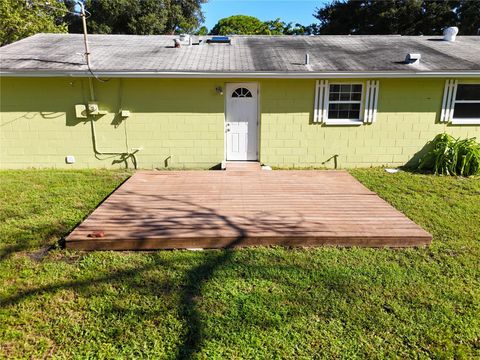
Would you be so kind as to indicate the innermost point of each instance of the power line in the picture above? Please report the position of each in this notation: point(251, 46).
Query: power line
point(84, 14)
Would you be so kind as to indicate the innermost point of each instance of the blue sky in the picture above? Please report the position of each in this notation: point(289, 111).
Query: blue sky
point(299, 11)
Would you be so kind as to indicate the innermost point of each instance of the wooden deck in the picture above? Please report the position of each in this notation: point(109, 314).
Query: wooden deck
point(218, 209)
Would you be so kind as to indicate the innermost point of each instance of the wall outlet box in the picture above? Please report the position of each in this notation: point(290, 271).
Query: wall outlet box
point(125, 113)
point(80, 111)
point(93, 108)
point(70, 159)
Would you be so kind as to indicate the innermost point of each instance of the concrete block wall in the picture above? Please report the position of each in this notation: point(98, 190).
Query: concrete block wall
point(407, 118)
point(175, 123)
point(179, 123)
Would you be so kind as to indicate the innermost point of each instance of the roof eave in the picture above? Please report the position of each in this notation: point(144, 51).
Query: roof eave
point(260, 75)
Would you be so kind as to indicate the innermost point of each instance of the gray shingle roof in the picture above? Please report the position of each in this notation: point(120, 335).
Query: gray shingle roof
point(247, 54)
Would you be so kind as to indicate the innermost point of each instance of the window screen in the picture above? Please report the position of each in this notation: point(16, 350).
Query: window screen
point(467, 102)
point(344, 101)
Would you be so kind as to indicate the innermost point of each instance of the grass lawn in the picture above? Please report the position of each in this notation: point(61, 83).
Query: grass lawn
point(253, 303)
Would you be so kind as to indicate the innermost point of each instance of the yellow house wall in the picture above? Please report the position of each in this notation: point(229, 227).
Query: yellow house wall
point(175, 123)
point(407, 118)
point(179, 123)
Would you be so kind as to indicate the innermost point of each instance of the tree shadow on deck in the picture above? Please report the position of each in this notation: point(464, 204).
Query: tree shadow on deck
point(193, 215)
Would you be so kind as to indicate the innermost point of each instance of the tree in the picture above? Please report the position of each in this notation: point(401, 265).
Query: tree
point(24, 18)
point(202, 31)
point(300, 29)
point(468, 13)
point(312, 29)
point(240, 25)
point(404, 17)
point(249, 25)
point(276, 27)
point(183, 15)
point(141, 17)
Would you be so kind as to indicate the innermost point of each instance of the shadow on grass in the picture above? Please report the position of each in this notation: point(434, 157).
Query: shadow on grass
point(56, 231)
point(194, 282)
point(188, 215)
point(24, 244)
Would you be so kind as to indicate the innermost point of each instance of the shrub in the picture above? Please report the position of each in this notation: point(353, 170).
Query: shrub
point(450, 156)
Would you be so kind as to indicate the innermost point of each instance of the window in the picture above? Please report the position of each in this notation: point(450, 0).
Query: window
point(344, 103)
point(466, 107)
point(241, 93)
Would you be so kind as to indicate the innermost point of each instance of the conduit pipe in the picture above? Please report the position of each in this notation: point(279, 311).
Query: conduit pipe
point(124, 154)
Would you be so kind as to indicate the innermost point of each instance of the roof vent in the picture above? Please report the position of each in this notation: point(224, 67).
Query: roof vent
point(184, 39)
point(307, 59)
point(413, 58)
point(219, 40)
point(450, 33)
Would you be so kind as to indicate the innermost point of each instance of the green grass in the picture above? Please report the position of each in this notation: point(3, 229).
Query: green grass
point(253, 303)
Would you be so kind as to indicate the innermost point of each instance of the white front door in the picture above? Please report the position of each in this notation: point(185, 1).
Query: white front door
point(241, 126)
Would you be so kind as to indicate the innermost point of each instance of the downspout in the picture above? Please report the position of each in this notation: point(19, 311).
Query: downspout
point(127, 154)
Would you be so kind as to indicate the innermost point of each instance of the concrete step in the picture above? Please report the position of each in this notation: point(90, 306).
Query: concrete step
point(243, 166)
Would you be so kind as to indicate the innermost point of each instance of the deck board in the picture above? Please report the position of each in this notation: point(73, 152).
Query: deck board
point(217, 209)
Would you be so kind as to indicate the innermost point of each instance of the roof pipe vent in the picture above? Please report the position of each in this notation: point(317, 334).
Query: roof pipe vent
point(184, 39)
point(413, 58)
point(307, 59)
point(450, 33)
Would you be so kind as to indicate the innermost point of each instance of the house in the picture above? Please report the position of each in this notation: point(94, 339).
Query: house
point(195, 102)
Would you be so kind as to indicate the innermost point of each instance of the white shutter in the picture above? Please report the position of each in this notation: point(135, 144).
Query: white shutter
point(321, 101)
point(371, 101)
point(315, 107)
point(448, 102)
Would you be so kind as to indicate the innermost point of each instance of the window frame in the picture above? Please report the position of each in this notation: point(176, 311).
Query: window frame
point(359, 121)
point(464, 121)
point(244, 93)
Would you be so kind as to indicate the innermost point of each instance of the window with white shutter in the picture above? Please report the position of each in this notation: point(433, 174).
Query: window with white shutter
point(461, 103)
point(345, 103)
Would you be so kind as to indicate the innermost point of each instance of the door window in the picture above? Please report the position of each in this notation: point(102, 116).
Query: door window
point(241, 93)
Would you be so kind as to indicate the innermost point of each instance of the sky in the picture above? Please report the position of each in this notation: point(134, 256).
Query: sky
point(295, 11)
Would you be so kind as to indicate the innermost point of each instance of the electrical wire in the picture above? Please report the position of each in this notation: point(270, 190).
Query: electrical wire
point(64, 10)
point(88, 15)
point(94, 75)
point(125, 156)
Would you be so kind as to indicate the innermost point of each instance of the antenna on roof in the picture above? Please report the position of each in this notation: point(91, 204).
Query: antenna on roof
point(83, 15)
point(79, 10)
